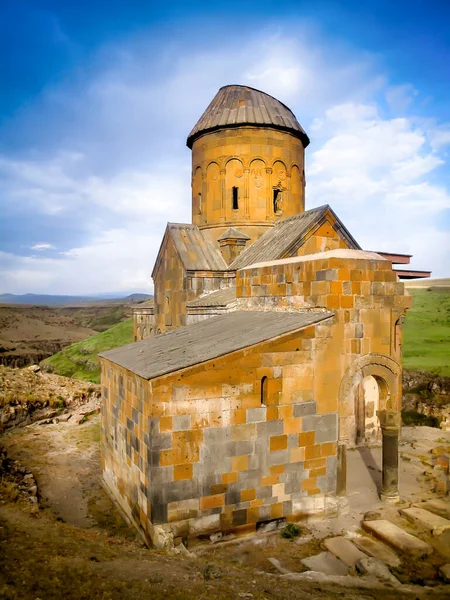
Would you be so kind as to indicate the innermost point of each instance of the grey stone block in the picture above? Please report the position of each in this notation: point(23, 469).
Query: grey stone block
point(327, 428)
point(287, 508)
point(181, 422)
point(255, 415)
point(264, 492)
point(280, 457)
point(359, 330)
point(310, 422)
point(264, 513)
point(244, 447)
point(304, 409)
point(292, 440)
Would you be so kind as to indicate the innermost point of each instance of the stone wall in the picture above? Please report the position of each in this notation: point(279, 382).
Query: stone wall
point(197, 451)
point(369, 303)
point(255, 160)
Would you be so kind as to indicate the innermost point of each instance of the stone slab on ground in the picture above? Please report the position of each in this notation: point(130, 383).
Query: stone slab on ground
point(378, 550)
point(345, 550)
point(397, 538)
point(444, 572)
point(434, 523)
point(438, 506)
point(325, 562)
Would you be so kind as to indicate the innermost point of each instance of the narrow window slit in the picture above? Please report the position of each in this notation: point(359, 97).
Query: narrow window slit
point(264, 383)
point(235, 192)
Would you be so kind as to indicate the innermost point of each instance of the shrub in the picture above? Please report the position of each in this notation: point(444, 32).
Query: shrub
point(291, 531)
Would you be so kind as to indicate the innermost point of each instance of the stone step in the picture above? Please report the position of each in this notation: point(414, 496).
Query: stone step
point(325, 562)
point(345, 550)
point(434, 523)
point(437, 506)
point(378, 550)
point(397, 538)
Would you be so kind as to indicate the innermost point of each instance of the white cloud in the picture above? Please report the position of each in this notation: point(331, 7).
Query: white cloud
point(43, 246)
point(109, 153)
point(372, 170)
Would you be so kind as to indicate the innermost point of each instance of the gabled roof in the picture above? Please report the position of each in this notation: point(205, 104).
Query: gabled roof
point(208, 339)
point(233, 234)
point(286, 236)
point(237, 105)
point(218, 298)
point(195, 252)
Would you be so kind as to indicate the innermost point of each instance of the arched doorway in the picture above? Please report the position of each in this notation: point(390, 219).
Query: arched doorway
point(369, 405)
point(371, 393)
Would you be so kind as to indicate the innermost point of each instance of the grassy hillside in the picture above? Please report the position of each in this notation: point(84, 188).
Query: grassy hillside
point(426, 342)
point(80, 360)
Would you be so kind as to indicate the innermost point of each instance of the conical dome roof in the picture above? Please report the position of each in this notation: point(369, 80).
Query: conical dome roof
point(237, 105)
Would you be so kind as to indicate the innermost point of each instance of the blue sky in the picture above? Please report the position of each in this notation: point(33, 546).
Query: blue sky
point(98, 98)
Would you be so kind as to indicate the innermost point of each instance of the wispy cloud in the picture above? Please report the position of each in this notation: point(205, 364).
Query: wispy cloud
point(104, 152)
point(43, 246)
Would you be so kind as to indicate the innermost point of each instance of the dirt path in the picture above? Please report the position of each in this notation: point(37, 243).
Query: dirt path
point(65, 460)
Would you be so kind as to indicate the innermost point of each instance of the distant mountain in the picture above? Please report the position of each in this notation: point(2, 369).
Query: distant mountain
point(53, 300)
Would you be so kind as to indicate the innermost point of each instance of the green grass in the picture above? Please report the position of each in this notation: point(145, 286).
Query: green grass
point(426, 340)
point(80, 360)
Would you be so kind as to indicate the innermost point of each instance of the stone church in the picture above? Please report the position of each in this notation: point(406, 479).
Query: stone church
point(273, 344)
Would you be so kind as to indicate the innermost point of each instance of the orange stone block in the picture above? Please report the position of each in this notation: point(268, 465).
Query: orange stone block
point(328, 449)
point(253, 514)
point(272, 413)
point(285, 412)
point(356, 288)
point(257, 502)
point(336, 287)
point(229, 478)
point(278, 442)
point(312, 452)
point(272, 480)
point(165, 424)
point(247, 495)
point(292, 425)
point(355, 346)
point(309, 484)
point(182, 472)
point(347, 301)
point(212, 501)
point(333, 301)
point(306, 438)
point(344, 274)
point(238, 416)
point(277, 469)
point(239, 463)
point(276, 510)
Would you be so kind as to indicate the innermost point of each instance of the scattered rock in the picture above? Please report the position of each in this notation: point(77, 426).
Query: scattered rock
point(373, 566)
point(216, 537)
point(276, 563)
point(372, 515)
point(325, 562)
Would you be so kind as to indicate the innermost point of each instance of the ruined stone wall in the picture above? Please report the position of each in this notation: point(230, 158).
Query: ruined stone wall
point(198, 452)
point(368, 302)
point(143, 323)
point(256, 160)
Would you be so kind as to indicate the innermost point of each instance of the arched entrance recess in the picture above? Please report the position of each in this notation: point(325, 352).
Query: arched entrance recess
point(381, 376)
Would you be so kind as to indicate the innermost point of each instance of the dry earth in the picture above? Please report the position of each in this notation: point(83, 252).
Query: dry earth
point(77, 545)
point(29, 334)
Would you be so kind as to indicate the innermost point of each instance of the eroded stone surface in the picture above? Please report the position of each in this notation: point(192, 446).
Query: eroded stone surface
point(345, 550)
point(434, 523)
point(398, 538)
point(377, 550)
point(438, 506)
point(325, 562)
